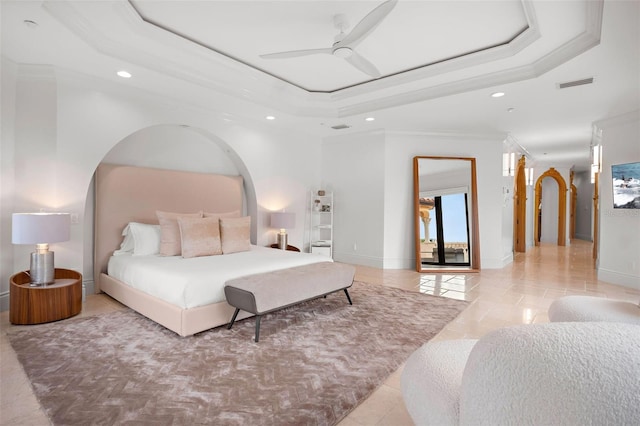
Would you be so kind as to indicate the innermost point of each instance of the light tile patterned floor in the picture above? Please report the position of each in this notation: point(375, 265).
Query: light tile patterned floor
point(517, 294)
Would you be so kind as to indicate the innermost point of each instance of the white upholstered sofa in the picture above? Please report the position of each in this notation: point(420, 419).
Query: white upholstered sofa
point(574, 373)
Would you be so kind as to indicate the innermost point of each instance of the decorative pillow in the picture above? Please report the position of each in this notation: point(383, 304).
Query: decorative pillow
point(234, 233)
point(146, 238)
point(200, 236)
point(235, 213)
point(170, 244)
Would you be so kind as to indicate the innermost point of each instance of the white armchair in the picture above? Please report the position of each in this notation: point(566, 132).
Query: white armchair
point(542, 374)
point(590, 308)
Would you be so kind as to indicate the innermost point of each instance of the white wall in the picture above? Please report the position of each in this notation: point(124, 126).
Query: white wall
point(66, 124)
point(619, 248)
point(508, 183)
point(7, 174)
point(584, 203)
point(362, 164)
point(353, 167)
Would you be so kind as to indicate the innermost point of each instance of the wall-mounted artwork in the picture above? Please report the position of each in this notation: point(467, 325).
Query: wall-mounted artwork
point(626, 185)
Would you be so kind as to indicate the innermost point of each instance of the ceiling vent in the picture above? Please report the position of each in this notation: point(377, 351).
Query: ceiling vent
point(340, 126)
point(575, 83)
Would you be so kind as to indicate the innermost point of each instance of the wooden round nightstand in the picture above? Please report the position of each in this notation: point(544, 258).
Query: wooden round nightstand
point(52, 302)
point(289, 248)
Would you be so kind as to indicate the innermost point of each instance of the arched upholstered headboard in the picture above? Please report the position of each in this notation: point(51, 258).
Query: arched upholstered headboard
point(133, 194)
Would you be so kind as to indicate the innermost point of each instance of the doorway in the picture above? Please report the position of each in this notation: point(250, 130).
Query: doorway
point(561, 207)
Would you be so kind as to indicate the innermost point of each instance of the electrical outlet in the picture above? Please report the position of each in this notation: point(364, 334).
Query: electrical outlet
point(75, 219)
point(355, 247)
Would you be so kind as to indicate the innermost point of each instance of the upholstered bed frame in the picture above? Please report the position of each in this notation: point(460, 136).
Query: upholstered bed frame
point(133, 194)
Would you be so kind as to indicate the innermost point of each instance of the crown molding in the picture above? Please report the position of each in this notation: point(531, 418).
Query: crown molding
point(619, 120)
point(443, 134)
point(36, 72)
point(225, 75)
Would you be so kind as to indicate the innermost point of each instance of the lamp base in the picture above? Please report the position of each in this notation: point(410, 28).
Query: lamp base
point(282, 241)
point(42, 271)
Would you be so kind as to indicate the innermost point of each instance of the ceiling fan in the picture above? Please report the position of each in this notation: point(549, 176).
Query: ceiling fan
point(344, 44)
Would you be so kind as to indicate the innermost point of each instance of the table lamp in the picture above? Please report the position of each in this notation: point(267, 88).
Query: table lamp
point(41, 229)
point(283, 221)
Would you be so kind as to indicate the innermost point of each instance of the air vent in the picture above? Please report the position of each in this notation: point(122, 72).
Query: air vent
point(340, 126)
point(575, 83)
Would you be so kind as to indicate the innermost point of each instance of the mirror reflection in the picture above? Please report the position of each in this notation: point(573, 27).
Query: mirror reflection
point(446, 218)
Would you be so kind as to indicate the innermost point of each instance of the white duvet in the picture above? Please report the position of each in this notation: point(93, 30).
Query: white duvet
point(198, 281)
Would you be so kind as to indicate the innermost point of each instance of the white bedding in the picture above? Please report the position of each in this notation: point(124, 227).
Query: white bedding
point(198, 281)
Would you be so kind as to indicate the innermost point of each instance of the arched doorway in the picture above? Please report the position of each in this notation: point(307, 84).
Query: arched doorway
point(520, 208)
point(562, 206)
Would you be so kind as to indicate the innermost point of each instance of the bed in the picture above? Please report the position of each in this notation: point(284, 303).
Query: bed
point(191, 302)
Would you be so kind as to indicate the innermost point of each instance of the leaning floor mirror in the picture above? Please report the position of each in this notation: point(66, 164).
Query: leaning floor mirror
point(446, 215)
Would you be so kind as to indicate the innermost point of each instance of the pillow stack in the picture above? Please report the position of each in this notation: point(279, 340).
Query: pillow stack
point(188, 235)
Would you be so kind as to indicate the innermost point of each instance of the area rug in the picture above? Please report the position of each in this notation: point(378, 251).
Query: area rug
point(315, 362)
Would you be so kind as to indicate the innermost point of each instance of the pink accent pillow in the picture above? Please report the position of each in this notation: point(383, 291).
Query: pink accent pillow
point(235, 213)
point(234, 233)
point(200, 236)
point(170, 244)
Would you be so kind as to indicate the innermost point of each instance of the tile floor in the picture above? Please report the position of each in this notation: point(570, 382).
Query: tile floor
point(517, 294)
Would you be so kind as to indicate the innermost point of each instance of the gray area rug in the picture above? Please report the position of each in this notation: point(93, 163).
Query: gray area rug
point(315, 362)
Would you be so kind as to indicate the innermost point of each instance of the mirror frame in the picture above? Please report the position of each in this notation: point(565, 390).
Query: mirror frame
point(473, 219)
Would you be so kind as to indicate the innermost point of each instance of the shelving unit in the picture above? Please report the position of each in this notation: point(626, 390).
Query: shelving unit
point(321, 224)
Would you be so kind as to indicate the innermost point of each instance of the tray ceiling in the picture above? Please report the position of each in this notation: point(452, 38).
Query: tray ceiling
point(414, 35)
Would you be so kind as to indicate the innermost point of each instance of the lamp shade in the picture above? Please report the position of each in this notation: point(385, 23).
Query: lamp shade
point(283, 220)
point(40, 228)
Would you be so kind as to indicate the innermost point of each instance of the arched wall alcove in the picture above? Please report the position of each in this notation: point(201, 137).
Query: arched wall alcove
point(562, 206)
point(176, 147)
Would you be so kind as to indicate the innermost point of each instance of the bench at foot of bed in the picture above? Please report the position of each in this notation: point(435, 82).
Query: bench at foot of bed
point(270, 291)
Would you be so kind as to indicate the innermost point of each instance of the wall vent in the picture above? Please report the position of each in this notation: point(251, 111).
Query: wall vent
point(340, 126)
point(575, 83)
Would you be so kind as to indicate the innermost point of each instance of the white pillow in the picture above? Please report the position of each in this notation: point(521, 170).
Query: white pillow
point(146, 238)
point(128, 243)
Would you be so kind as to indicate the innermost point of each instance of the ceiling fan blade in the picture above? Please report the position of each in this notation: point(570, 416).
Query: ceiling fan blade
point(296, 53)
point(363, 65)
point(368, 23)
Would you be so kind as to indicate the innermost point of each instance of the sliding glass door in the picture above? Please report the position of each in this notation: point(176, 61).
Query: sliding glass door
point(449, 231)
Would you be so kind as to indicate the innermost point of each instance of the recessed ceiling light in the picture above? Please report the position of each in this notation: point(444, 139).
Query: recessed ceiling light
point(510, 109)
point(497, 94)
point(270, 117)
point(124, 74)
point(370, 119)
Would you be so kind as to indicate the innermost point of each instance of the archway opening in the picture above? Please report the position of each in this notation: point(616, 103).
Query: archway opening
point(177, 147)
point(555, 216)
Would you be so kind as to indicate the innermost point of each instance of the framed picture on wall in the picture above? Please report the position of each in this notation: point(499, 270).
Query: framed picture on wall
point(626, 185)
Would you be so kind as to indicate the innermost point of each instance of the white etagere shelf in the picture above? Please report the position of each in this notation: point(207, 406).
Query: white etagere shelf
point(321, 223)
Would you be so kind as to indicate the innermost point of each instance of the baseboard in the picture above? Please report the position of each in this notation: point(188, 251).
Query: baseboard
point(614, 277)
point(4, 301)
point(487, 263)
point(88, 287)
point(583, 237)
point(374, 262)
point(399, 263)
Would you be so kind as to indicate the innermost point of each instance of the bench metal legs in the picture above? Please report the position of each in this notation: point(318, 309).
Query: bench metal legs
point(348, 297)
point(233, 318)
point(257, 327)
point(259, 317)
